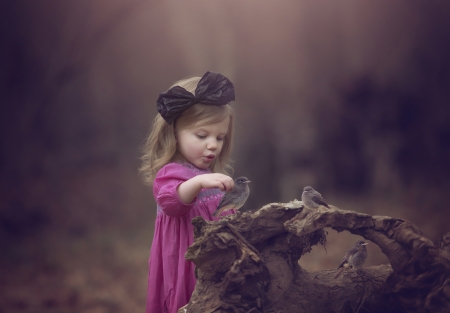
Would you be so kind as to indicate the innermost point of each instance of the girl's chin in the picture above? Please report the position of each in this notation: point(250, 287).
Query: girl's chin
point(203, 164)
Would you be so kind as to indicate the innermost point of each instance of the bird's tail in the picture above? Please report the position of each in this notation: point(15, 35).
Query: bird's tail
point(340, 271)
point(218, 212)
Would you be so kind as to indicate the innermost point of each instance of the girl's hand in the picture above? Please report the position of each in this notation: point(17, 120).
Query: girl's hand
point(188, 190)
point(215, 180)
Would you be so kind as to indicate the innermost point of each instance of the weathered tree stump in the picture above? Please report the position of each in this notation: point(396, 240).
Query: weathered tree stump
point(248, 262)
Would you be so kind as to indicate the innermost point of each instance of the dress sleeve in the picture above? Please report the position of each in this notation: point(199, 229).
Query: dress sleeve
point(165, 189)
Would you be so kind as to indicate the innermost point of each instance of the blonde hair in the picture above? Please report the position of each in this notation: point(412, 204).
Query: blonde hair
point(161, 145)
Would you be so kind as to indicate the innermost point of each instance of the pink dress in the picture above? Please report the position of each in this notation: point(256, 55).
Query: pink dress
point(171, 279)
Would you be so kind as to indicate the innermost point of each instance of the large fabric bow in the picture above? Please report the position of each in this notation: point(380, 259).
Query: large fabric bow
point(213, 88)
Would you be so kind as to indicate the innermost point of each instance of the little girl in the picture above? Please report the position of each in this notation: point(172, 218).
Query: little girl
point(190, 143)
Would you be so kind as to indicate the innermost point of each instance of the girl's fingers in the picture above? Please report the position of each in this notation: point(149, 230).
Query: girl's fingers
point(219, 184)
point(229, 184)
point(223, 187)
point(221, 181)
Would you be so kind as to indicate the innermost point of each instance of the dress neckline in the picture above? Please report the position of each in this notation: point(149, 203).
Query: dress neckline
point(194, 168)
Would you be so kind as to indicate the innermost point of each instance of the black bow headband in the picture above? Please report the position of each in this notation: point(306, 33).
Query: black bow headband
point(213, 88)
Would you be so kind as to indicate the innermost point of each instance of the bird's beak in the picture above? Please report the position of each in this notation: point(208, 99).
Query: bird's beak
point(248, 181)
point(364, 244)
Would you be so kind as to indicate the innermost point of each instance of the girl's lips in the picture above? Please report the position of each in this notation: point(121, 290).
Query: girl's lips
point(210, 157)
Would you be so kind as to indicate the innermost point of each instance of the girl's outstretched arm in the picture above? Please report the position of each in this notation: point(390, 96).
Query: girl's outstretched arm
point(188, 190)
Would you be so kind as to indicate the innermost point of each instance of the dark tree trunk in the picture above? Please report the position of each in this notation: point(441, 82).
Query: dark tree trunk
point(249, 263)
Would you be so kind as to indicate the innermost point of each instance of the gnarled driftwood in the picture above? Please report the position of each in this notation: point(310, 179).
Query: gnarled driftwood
point(248, 262)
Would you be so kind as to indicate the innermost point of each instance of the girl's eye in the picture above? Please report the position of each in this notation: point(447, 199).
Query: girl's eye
point(220, 138)
point(201, 136)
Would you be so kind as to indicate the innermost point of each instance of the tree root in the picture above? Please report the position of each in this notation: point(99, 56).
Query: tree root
point(248, 262)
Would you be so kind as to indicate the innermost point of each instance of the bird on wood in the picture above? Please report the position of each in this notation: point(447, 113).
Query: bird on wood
point(236, 198)
point(354, 258)
point(312, 199)
point(444, 242)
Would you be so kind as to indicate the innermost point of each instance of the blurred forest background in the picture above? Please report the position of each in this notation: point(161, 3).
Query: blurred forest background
point(350, 97)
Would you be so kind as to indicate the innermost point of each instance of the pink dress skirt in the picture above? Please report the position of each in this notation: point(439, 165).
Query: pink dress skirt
point(171, 279)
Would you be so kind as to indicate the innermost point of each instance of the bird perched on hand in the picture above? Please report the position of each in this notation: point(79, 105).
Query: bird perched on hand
point(312, 199)
point(236, 198)
point(354, 257)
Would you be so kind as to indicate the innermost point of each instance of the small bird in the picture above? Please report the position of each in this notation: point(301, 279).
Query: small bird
point(312, 199)
point(236, 198)
point(444, 242)
point(354, 257)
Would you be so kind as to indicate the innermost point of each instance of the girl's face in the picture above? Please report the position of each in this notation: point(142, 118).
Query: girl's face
point(201, 145)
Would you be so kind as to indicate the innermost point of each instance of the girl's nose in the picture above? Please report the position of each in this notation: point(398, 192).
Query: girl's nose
point(212, 145)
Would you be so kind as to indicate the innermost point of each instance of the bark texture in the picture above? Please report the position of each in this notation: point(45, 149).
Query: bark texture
point(248, 262)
